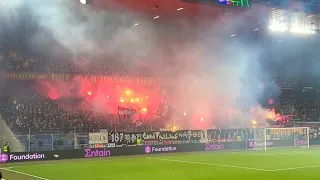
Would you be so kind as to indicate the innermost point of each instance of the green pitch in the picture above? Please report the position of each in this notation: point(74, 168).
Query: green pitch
point(293, 164)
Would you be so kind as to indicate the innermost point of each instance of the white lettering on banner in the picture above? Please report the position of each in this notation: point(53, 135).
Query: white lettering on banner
point(98, 138)
point(261, 144)
point(111, 145)
point(131, 138)
point(179, 135)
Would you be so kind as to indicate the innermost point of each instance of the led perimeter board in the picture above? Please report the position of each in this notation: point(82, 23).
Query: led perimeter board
point(226, 3)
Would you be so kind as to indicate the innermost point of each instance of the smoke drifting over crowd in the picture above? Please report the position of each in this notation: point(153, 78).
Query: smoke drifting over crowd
point(216, 76)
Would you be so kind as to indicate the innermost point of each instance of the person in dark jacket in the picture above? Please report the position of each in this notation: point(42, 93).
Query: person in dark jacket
point(1, 177)
point(82, 143)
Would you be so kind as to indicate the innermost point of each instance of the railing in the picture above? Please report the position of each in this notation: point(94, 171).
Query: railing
point(46, 141)
point(68, 141)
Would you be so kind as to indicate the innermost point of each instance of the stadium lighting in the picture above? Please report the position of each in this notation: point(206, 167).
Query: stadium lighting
point(278, 27)
point(294, 30)
point(302, 31)
point(179, 9)
point(156, 17)
point(83, 1)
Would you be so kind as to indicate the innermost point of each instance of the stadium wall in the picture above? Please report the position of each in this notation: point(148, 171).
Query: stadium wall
point(7, 135)
point(180, 144)
point(118, 151)
point(125, 151)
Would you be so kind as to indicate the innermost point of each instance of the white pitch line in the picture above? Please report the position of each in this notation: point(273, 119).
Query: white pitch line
point(30, 175)
point(210, 164)
point(72, 162)
point(263, 154)
point(295, 168)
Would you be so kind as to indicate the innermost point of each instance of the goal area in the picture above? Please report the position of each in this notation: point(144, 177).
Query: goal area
point(271, 138)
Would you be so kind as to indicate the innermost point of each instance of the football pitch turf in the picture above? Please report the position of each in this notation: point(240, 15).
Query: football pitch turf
point(293, 164)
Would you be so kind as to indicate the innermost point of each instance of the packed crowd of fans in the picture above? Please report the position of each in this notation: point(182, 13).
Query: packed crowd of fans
point(49, 65)
point(40, 114)
point(298, 106)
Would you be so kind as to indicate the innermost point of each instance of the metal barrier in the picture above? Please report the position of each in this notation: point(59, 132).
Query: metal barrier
point(45, 141)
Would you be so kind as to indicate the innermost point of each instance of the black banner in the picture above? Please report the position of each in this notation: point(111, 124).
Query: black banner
point(230, 135)
point(130, 139)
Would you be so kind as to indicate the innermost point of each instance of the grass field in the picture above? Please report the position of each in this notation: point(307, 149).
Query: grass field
point(293, 164)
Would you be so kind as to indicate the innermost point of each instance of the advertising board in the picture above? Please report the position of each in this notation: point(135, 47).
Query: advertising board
point(12, 157)
point(164, 149)
point(120, 151)
point(91, 153)
point(214, 146)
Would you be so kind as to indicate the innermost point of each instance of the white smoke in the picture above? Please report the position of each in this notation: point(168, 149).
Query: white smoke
point(216, 72)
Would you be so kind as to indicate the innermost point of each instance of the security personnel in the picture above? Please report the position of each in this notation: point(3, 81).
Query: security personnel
point(139, 141)
point(6, 148)
point(1, 176)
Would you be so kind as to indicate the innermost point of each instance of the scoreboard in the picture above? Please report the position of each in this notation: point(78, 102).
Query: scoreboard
point(226, 3)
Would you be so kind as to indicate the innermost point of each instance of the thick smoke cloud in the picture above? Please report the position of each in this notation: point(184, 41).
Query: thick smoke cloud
point(84, 30)
point(218, 74)
point(234, 81)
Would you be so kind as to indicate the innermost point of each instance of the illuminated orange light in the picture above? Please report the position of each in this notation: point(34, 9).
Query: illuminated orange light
point(121, 100)
point(147, 97)
point(138, 99)
point(132, 100)
point(144, 109)
point(89, 93)
point(127, 92)
point(201, 119)
point(174, 128)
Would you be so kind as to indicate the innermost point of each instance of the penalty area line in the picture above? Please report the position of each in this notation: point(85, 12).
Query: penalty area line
point(26, 174)
point(210, 164)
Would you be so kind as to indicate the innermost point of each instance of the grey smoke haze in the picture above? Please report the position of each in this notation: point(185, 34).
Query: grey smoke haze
point(234, 77)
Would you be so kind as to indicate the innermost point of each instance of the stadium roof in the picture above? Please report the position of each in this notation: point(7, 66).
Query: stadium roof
point(175, 9)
